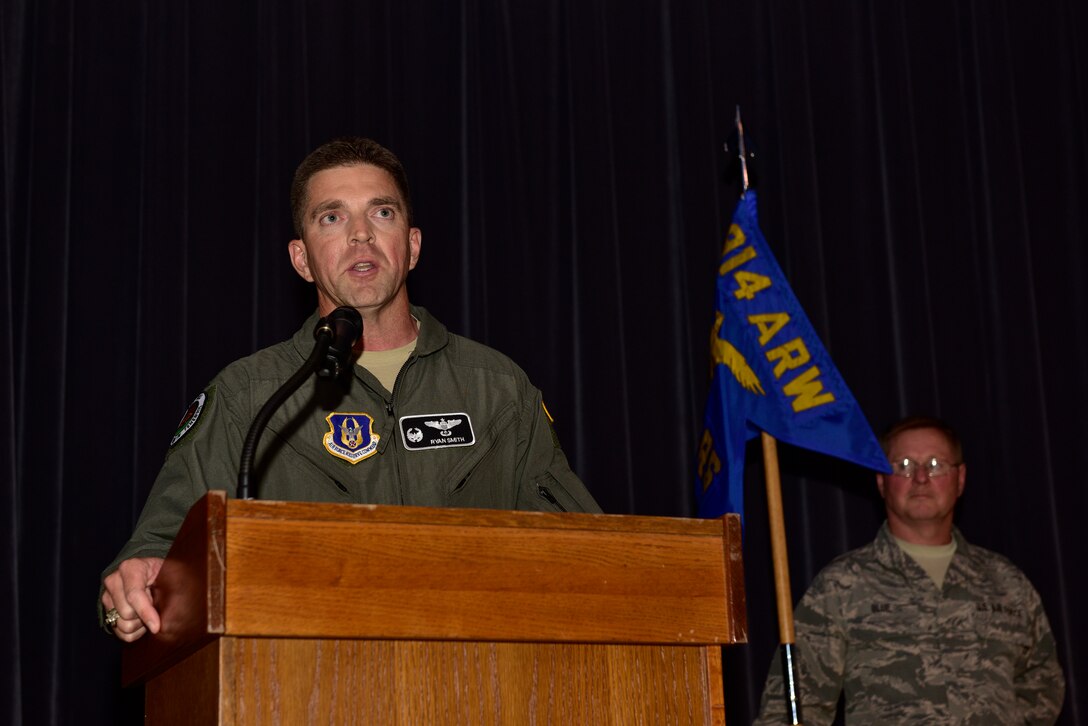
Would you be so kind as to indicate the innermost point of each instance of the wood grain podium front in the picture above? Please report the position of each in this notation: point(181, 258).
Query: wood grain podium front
point(296, 613)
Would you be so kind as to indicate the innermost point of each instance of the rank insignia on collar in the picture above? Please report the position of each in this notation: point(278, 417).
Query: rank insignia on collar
point(436, 431)
point(351, 437)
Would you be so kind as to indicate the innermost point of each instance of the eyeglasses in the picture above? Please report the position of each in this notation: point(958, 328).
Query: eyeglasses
point(933, 467)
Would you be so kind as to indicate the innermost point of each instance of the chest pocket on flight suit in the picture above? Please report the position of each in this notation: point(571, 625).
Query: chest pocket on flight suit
point(485, 476)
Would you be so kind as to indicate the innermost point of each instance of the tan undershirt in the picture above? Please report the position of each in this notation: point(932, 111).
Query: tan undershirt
point(386, 364)
point(934, 559)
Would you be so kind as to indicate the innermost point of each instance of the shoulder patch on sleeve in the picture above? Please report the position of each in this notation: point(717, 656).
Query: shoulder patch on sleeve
point(551, 425)
point(191, 419)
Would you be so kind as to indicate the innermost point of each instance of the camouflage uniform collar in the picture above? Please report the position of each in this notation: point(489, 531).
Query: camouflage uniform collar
point(885, 534)
point(893, 556)
point(961, 541)
point(433, 335)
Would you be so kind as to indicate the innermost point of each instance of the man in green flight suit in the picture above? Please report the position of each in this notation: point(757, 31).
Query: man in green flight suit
point(425, 418)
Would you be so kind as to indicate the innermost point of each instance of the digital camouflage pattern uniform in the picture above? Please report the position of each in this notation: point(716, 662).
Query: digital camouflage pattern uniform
point(463, 427)
point(874, 626)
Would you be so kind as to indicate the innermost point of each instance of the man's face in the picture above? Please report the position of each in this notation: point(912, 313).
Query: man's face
point(356, 245)
point(921, 499)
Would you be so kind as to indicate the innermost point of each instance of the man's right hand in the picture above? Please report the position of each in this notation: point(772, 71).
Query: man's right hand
point(128, 589)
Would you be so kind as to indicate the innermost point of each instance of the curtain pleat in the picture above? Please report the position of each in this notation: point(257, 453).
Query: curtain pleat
point(922, 169)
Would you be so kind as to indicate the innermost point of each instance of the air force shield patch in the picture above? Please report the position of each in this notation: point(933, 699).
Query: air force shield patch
point(350, 436)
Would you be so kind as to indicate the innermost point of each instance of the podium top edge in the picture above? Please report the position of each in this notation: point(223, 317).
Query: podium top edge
point(446, 516)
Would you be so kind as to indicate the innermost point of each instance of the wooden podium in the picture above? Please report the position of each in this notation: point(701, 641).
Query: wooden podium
point(296, 613)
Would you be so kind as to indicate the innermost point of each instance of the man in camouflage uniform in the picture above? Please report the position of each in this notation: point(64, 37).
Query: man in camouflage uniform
point(920, 626)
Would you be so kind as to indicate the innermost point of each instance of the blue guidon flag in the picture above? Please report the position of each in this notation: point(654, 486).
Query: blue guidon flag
point(351, 436)
point(770, 373)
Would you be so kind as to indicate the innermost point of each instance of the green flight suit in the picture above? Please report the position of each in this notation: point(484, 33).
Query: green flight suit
point(502, 454)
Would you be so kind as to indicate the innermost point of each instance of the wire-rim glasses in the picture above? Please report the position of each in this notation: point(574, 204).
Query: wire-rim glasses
point(932, 466)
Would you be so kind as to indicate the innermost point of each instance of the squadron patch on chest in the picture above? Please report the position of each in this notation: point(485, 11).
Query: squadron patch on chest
point(351, 436)
point(436, 431)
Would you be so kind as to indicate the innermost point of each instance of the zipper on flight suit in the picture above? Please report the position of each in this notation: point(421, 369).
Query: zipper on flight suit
point(390, 406)
point(547, 496)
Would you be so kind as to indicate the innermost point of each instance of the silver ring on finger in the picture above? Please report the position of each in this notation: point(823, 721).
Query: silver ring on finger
point(112, 616)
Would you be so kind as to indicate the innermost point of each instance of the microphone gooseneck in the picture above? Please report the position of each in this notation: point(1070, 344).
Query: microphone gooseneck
point(336, 335)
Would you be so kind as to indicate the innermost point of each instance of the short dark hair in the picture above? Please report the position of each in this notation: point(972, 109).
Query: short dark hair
point(912, 423)
point(346, 151)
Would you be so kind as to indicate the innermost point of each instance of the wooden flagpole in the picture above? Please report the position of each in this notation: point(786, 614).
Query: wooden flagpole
point(783, 598)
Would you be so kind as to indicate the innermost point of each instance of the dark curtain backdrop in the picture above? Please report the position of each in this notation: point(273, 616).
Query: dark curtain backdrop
point(922, 170)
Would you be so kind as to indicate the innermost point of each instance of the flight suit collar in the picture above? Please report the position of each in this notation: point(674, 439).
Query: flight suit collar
point(433, 335)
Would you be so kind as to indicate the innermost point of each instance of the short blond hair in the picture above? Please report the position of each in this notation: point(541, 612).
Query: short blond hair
point(912, 423)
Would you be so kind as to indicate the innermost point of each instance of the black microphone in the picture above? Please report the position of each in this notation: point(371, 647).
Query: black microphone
point(336, 335)
point(344, 325)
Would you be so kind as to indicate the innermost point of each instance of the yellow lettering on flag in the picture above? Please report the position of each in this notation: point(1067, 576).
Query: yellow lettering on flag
point(709, 463)
point(769, 324)
point(736, 238)
point(749, 283)
point(806, 391)
point(745, 255)
point(793, 354)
